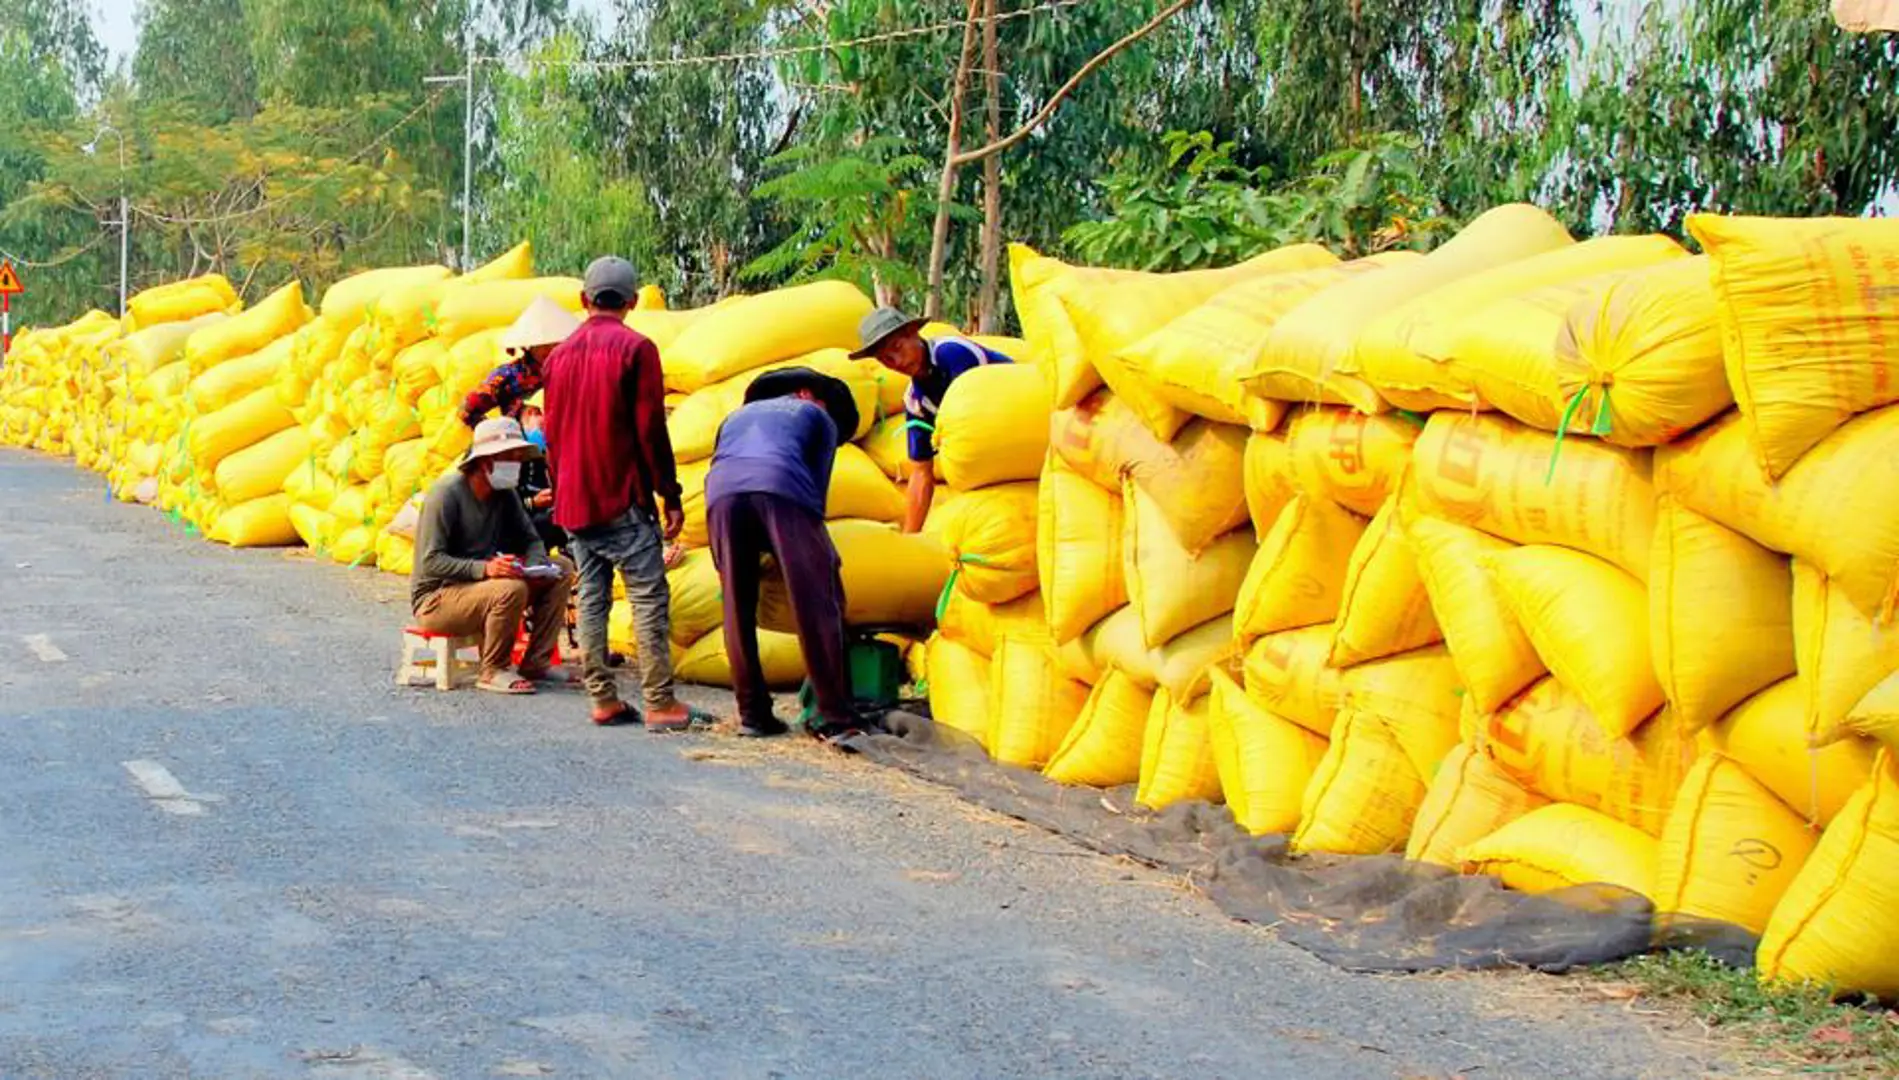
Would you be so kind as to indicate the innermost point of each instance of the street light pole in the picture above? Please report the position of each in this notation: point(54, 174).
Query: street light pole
point(467, 79)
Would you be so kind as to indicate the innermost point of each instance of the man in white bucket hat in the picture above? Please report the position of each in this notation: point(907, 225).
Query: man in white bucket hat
point(507, 388)
point(480, 567)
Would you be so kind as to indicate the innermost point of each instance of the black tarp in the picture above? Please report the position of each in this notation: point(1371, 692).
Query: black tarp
point(1378, 913)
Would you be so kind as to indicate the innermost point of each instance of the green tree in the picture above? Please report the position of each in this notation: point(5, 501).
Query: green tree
point(196, 55)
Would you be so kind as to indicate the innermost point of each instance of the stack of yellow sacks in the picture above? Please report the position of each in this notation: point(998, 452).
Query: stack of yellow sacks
point(1651, 652)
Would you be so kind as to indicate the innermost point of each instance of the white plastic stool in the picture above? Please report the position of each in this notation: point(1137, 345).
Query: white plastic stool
point(427, 654)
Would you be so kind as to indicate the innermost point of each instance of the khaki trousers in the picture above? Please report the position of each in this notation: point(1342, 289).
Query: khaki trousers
point(493, 609)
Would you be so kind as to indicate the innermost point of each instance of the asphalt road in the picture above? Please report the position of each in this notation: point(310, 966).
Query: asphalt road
point(230, 847)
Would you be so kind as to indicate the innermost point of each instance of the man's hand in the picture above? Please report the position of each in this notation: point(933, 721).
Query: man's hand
point(674, 522)
point(504, 567)
point(542, 499)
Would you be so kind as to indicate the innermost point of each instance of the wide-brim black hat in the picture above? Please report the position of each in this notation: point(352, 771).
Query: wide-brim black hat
point(832, 392)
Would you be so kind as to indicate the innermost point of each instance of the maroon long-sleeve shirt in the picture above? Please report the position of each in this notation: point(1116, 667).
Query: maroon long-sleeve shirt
point(607, 447)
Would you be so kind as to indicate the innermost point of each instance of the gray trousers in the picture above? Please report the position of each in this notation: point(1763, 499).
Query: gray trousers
point(633, 546)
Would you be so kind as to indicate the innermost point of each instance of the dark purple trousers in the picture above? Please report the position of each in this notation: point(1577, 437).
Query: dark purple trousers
point(746, 527)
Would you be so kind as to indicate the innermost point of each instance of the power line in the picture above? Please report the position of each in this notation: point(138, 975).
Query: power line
point(268, 204)
point(30, 264)
point(714, 59)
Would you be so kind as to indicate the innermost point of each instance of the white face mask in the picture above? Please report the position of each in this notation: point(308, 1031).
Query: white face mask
point(505, 475)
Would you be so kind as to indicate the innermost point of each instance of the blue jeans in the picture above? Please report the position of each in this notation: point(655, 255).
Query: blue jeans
point(632, 545)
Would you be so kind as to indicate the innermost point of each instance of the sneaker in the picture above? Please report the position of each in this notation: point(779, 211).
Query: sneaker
point(769, 727)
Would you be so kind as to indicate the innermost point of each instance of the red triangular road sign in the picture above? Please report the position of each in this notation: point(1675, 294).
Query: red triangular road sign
point(9, 281)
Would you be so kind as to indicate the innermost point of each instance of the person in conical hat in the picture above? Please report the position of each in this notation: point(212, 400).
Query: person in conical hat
point(507, 388)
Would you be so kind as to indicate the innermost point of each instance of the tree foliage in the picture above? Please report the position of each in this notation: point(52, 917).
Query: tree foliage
point(736, 144)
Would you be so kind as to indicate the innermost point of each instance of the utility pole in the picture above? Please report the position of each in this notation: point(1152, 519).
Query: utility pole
point(467, 79)
point(125, 209)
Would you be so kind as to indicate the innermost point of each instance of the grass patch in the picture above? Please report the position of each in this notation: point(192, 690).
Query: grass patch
point(1800, 1028)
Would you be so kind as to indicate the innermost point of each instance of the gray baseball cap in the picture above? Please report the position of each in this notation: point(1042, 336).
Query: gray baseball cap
point(880, 325)
point(610, 274)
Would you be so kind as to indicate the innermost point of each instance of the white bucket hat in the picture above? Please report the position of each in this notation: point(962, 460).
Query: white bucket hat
point(496, 435)
point(543, 323)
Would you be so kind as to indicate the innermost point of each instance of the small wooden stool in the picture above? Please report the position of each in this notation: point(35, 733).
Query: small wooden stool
point(427, 654)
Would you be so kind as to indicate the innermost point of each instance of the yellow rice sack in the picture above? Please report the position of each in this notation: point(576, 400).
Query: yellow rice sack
point(1348, 457)
point(1194, 364)
point(1417, 694)
point(1807, 323)
point(178, 301)
point(1384, 608)
point(779, 660)
point(1467, 800)
point(346, 303)
point(1078, 546)
point(1840, 653)
point(1705, 575)
point(1834, 925)
point(275, 316)
point(1197, 479)
point(993, 427)
point(238, 376)
point(859, 489)
point(1268, 478)
point(1506, 350)
point(314, 527)
point(1404, 354)
point(261, 469)
point(1264, 762)
point(1639, 362)
point(1767, 734)
point(145, 351)
point(1104, 747)
point(1038, 284)
point(492, 305)
point(262, 522)
point(1112, 316)
point(979, 626)
point(990, 534)
point(1183, 664)
point(1116, 642)
point(1031, 703)
point(1547, 740)
point(959, 688)
point(758, 330)
point(1171, 588)
point(1730, 848)
point(1877, 714)
point(1297, 576)
point(1286, 674)
point(890, 579)
point(245, 422)
point(395, 554)
point(1559, 846)
point(1177, 761)
point(1589, 623)
point(1834, 508)
point(698, 602)
point(1310, 355)
point(1494, 657)
point(1495, 474)
point(1364, 794)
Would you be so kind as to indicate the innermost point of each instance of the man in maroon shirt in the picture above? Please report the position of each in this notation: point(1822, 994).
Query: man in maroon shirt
point(611, 463)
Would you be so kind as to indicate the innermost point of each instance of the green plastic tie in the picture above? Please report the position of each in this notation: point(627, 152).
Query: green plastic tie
point(942, 600)
point(915, 423)
point(1562, 431)
point(1415, 418)
point(1601, 427)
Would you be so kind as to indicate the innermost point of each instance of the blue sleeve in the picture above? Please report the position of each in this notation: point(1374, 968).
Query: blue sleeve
point(918, 431)
point(821, 444)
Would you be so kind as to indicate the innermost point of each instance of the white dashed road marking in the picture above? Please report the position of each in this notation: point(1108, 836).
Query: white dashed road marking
point(44, 648)
point(164, 790)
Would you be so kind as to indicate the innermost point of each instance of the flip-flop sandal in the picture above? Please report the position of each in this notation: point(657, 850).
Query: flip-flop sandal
point(504, 684)
point(627, 715)
point(695, 718)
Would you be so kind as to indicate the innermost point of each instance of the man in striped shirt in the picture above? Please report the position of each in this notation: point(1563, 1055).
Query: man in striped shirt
point(931, 365)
